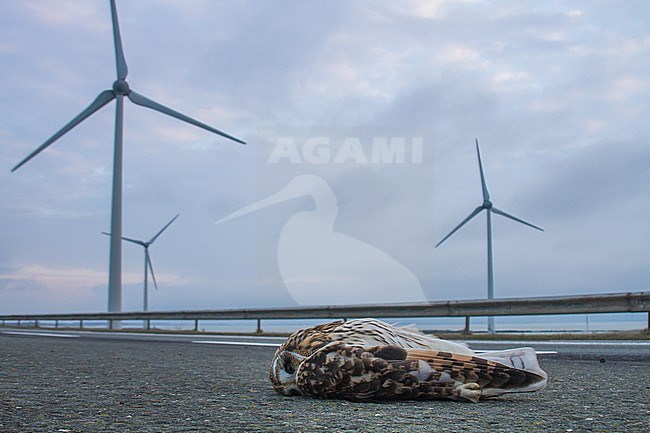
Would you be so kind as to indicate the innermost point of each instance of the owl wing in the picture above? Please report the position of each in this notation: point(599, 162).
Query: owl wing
point(393, 373)
point(494, 378)
point(373, 332)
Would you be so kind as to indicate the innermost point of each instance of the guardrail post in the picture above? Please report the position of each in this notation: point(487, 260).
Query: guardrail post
point(56, 324)
point(36, 323)
point(115, 325)
point(196, 325)
point(259, 326)
point(467, 330)
point(147, 324)
point(81, 324)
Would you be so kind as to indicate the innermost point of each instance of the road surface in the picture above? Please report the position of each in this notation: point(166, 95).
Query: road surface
point(56, 381)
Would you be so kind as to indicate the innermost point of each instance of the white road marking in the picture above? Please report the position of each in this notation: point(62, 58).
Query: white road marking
point(539, 352)
point(174, 335)
point(562, 343)
point(236, 343)
point(253, 337)
point(40, 334)
point(600, 343)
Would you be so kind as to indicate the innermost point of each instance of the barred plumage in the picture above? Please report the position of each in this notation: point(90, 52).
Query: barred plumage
point(368, 359)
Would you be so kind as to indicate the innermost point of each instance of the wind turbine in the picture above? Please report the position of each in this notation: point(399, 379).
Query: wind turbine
point(320, 266)
point(488, 206)
point(147, 259)
point(119, 90)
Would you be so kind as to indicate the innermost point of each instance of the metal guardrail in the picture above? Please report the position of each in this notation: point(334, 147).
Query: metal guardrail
point(583, 304)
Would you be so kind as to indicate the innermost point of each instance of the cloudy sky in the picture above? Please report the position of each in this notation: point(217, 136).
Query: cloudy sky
point(558, 93)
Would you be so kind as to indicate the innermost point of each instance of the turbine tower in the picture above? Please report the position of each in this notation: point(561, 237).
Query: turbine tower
point(119, 90)
point(147, 259)
point(488, 206)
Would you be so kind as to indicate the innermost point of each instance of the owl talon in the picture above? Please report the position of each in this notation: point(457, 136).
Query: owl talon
point(469, 391)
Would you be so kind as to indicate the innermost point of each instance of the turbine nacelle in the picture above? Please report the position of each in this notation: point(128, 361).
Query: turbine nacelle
point(121, 87)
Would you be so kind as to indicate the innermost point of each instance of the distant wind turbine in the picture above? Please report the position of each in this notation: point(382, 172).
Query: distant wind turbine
point(489, 207)
point(320, 266)
point(119, 90)
point(147, 259)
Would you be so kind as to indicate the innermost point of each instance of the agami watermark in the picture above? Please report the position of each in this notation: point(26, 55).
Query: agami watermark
point(359, 150)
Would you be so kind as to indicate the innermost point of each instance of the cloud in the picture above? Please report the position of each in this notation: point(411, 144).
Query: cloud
point(603, 177)
point(67, 13)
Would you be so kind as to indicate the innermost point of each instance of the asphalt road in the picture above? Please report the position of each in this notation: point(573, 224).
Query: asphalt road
point(117, 383)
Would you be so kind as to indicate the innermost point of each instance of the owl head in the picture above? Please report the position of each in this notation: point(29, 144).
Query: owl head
point(283, 371)
point(288, 358)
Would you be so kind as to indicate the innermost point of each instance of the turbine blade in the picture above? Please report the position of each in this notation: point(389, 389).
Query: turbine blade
point(163, 229)
point(153, 276)
point(120, 61)
point(507, 215)
point(135, 241)
point(486, 194)
point(139, 99)
point(472, 215)
point(104, 98)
